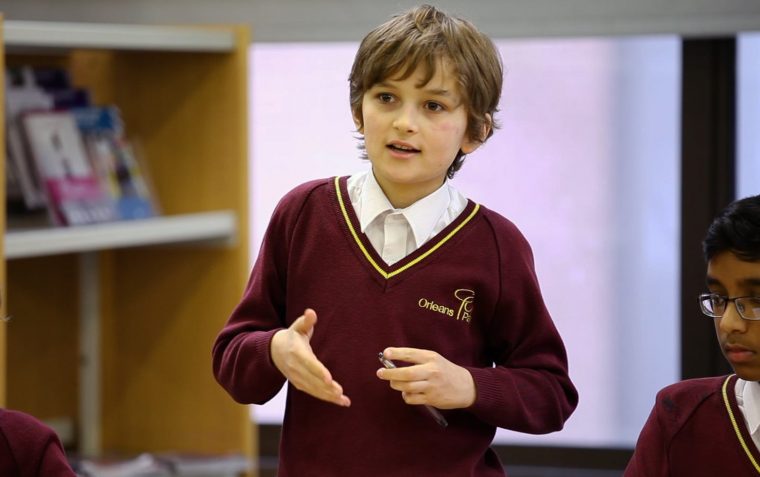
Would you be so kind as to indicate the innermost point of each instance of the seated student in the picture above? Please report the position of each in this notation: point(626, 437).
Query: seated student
point(29, 448)
point(711, 426)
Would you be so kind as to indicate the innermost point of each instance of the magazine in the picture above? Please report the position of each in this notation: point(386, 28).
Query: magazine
point(74, 193)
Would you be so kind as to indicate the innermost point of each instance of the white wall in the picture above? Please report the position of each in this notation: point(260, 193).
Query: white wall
point(585, 122)
point(748, 110)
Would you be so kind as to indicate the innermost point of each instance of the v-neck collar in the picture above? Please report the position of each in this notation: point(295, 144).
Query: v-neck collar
point(370, 254)
point(737, 421)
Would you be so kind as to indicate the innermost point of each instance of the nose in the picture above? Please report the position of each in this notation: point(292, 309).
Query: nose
point(406, 120)
point(731, 322)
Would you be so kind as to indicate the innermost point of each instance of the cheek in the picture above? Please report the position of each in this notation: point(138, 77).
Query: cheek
point(453, 129)
point(449, 127)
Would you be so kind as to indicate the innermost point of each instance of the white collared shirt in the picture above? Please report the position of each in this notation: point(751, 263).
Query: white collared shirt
point(395, 233)
point(748, 399)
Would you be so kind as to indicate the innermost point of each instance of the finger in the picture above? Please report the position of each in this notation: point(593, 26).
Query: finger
point(414, 398)
point(314, 383)
point(337, 395)
point(407, 373)
point(313, 367)
point(332, 392)
point(412, 387)
point(410, 355)
point(305, 323)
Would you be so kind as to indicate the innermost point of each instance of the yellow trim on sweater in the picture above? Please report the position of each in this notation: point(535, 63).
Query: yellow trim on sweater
point(736, 426)
point(417, 260)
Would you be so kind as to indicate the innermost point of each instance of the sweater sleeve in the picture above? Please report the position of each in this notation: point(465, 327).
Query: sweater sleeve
point(528, 388)
point(242, 363)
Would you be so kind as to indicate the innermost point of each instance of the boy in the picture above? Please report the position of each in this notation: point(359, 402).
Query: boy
point(711, 426)
point(395, 261)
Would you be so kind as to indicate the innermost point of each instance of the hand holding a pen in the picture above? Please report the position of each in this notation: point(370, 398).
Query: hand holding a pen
point(293, 356)
point(430, 380)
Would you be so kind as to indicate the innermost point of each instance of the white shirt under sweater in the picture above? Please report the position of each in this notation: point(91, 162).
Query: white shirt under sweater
point(395, 233)
point(748, 399)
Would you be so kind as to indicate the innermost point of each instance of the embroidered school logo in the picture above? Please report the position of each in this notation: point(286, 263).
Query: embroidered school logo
point(463, 310)
point(433, 306)
point(467, 299)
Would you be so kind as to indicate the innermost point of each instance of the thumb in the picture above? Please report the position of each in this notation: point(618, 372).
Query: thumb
point(305, 323)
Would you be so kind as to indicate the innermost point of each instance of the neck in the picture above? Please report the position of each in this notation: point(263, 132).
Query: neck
point(402, 196)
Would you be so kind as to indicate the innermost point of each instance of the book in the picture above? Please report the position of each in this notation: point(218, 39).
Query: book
point(55, 82)
point(144, 465)
point(115, 161)
point(23, 95)
point(74, 193)
point(161, 465)
point(205, 465)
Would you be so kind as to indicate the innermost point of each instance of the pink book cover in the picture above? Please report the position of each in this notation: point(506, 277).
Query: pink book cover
point(73, 189)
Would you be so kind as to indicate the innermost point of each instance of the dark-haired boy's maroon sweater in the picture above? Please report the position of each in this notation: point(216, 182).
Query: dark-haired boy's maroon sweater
point(695, 429)
point(29, 448)
point(470, 293)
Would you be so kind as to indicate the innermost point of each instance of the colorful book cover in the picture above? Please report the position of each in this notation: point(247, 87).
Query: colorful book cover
point(74, 192)
point(114, 160)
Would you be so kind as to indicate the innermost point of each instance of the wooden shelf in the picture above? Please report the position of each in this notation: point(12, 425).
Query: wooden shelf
point(218, 227)
point(51, 35)
point(113, 323)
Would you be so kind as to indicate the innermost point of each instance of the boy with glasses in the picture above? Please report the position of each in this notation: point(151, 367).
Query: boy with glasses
point(711, 426)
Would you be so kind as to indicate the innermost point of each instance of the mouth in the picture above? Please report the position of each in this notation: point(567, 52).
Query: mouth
point(403, 148)
point(738, 353)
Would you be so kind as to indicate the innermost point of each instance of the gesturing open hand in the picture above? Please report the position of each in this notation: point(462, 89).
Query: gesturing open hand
point(293, 356)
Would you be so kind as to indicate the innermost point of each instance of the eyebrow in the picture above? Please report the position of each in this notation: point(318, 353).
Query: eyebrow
point(747, 282)
point(436, 92)
point(439, 92)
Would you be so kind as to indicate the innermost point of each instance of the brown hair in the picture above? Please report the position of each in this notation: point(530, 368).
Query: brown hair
point(422, 37)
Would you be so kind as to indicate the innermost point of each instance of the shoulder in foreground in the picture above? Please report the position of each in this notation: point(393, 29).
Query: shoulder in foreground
point(20, 423)
point(299, 193)
point(308, 187)
point(691, 390)
point(501, 225)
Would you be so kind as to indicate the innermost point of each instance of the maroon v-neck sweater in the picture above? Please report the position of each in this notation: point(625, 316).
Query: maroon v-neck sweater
point(470, 293)
point(695, 429)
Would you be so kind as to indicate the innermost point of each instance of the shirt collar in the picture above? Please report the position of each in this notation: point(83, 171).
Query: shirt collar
point(751, 395)
point(422, 216)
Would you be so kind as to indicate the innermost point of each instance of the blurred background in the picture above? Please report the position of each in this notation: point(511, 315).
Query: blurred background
point(625, 125)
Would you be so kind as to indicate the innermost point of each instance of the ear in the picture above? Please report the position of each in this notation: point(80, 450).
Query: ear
point(469, 146)
point(487, 126)
point(358, 124)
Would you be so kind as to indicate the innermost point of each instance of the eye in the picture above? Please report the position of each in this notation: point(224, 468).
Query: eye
point(433, 106)
point(385, 97)
point(717, 302)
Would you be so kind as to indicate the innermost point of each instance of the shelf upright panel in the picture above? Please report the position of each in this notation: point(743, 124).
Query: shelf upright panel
point(3, 280)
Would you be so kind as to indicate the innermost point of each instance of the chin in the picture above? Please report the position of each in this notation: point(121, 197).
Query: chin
point(748, 373)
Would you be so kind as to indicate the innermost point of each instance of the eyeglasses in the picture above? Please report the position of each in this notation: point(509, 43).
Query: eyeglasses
point(714, 305)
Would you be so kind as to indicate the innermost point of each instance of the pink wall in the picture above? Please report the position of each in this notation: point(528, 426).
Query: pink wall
point(555, 168)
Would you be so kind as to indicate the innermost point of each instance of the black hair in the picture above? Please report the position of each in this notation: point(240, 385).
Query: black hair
point(736, 229)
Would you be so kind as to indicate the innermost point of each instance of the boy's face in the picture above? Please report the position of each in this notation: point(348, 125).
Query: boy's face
point(413, 133)
point(739, 339)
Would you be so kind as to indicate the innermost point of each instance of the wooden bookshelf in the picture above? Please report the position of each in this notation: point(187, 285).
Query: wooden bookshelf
point(112, 325)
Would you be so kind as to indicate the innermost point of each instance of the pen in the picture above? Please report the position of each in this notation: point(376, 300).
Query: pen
point(433, 411)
